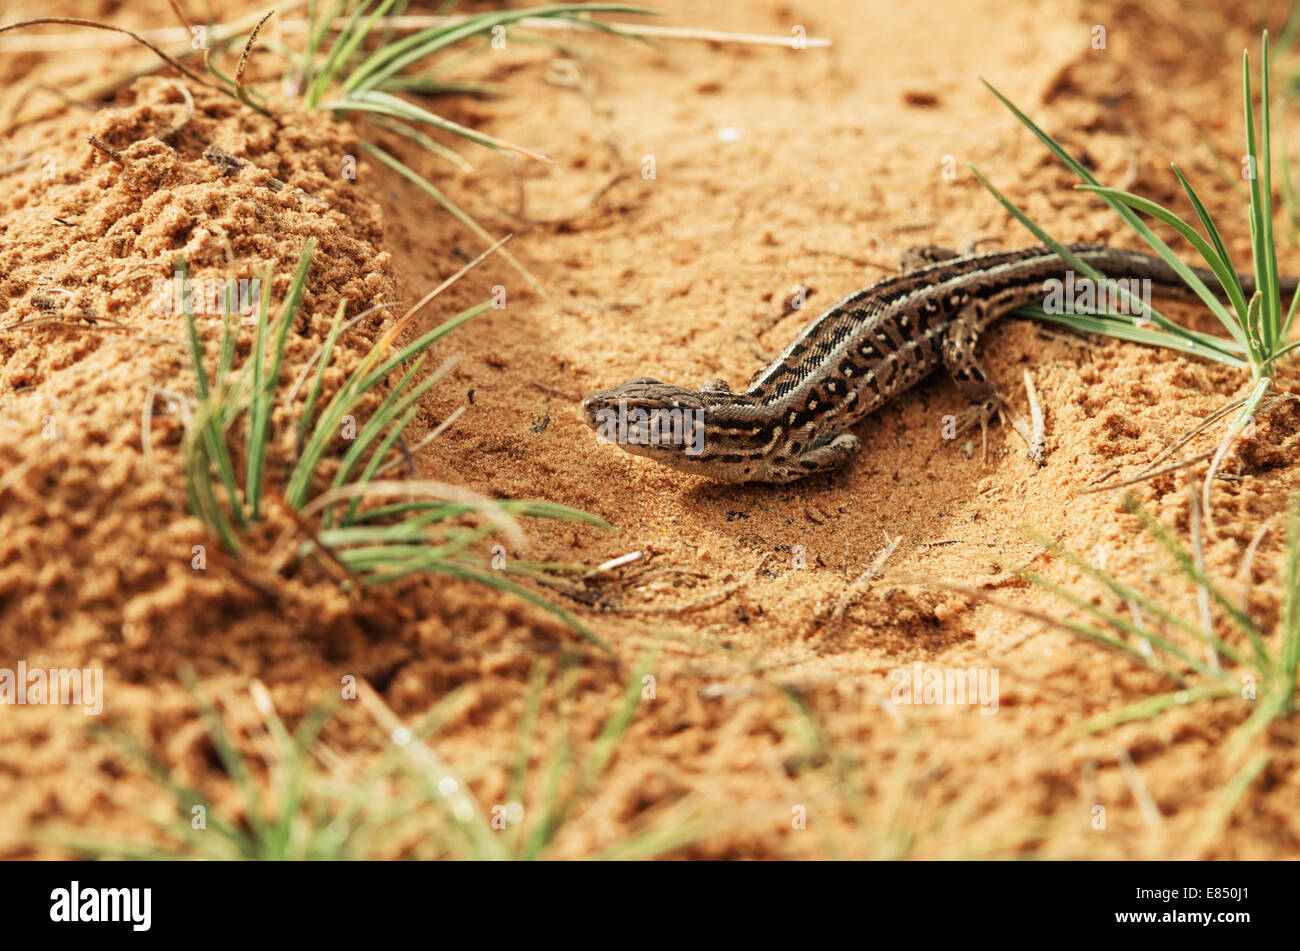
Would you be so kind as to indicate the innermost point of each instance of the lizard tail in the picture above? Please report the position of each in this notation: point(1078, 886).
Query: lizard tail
point(1120, 263)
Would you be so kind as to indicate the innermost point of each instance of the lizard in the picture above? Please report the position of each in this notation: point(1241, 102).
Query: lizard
point(792, 420)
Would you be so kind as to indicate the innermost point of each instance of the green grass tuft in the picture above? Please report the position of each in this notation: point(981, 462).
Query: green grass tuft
point(424, 533)
point(1261, 667)
point(1257, 330)
point(299, 800)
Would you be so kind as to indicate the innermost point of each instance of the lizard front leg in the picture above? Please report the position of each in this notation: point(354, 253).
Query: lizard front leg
point(821, 456)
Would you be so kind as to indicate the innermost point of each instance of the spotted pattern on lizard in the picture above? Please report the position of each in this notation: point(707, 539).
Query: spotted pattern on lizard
point(793, 417)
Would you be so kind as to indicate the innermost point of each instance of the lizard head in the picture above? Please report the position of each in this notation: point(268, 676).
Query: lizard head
point(705, 432)
point(649, 418)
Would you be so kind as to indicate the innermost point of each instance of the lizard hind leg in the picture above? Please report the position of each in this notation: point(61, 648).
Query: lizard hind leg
point(970, 377)
point(921, 255)
point(974, 383)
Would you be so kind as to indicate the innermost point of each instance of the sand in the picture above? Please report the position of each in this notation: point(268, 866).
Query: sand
point(695, 186)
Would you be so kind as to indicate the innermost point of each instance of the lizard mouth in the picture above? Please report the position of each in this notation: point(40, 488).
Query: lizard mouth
point(592, 407)
point(587, 409)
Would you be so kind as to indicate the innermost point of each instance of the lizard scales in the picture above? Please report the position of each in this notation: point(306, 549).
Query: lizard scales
point(793, 417)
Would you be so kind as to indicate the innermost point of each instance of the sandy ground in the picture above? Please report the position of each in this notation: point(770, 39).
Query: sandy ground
point(695, 186)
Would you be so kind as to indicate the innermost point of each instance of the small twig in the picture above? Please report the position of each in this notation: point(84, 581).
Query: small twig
point(437, 431)
point(619, 562)
point(180, 15)
point(1171, 449)
point(1248, 565)
point(1204, 424)
point(1202, 589)
point(411, 23)
point(550, 389)
point(394, 331)
point(854, 591)
point(763, 356)
point(108, 150)
point(1037, 446)
point(16, 165)
point(707, 601)
point(170, 134)
point(586, 205)
point(852, 259)
point(1229, 439)
point(88, 322)
point(95, 24)
point(1214, 417)
point(62, 42)
point(1141, 795)
point(112, 327)
point(56, 91)
point(1142, 477)
point(1143, 644)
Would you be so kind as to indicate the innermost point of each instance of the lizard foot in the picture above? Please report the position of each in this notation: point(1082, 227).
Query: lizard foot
point(980, 414)
point(825, 457)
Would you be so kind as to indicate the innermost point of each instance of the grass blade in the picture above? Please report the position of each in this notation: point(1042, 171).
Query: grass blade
point(1216, 344)
point(395, 57)
point(1227, 279)
point(259, 418)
